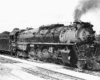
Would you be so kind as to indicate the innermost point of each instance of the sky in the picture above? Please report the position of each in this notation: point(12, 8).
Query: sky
point(34, 13)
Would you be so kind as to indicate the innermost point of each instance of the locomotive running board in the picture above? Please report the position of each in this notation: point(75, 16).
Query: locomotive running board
point(32, 43)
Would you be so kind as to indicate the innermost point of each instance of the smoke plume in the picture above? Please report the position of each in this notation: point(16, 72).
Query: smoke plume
point(85, 6)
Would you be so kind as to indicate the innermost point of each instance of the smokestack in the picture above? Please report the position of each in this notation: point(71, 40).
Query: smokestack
point(85, 6)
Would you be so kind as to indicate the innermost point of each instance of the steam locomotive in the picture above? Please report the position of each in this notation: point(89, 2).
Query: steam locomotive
point(48, 43)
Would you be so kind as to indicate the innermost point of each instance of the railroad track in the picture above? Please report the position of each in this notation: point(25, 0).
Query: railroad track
point(40, 72)
point(51, 75)
point(47, 71)
point(95, 73)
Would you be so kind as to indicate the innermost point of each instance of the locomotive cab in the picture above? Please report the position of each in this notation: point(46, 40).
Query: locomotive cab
point(13, 41)
point(12, 37)
point(14, 34)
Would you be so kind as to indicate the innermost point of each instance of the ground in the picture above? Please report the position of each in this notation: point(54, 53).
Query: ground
point(17, 69)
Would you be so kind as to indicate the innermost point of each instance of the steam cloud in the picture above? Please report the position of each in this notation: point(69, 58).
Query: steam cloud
point(85, 6)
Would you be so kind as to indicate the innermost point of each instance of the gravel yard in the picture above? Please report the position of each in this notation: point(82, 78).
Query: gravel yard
point(48, 71)
point(46, 74)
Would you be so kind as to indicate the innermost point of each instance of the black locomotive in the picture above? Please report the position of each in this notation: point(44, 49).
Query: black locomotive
point(73, 44)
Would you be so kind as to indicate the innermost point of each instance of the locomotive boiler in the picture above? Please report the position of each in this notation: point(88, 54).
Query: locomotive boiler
point(48, 43)
point(78, 32)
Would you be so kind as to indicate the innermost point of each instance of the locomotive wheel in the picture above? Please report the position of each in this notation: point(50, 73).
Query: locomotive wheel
point(56, 58)
point(93, 65)
point(18, 54)
point(55, 55)
point(45, 53)
point(32, 54)
point(13, 51)
point(89, 65)
point(39, 54)
point(81, 64)
point(21, 54)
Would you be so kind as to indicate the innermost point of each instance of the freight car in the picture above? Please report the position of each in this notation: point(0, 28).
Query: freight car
point(72, 44)
point(4, 42)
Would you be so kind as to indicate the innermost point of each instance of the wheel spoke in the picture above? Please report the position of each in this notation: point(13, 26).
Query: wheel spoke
point(39, 54)
point(90, 65)
point(32, 54)
point(93, 65)
point(45, 53)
